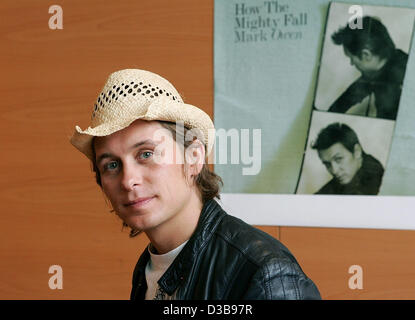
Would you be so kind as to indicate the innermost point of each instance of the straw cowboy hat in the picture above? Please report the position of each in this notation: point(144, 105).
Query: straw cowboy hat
point(133, 94)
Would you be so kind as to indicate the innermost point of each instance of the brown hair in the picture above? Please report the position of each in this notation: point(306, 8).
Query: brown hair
point(207, 182)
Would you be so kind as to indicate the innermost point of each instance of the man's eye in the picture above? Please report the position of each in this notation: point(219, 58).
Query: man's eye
point(338, 160)
point(145, 155)
point(110, 166)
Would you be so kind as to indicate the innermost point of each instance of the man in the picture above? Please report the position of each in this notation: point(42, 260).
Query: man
point(353, 171)
point(371, 50)
point(155, 175)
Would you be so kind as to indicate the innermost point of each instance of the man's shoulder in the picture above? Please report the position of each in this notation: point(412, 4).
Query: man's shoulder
point(371, 164)
point(331, 187)
point(396, 66)
point(270, 268)
point(401, 56)
point(371, 175)
point(253, 244)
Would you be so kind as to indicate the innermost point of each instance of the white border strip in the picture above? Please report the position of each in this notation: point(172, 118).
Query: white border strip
point(378, 212)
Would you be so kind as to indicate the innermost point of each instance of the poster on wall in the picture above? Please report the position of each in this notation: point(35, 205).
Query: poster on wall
point(314, 112)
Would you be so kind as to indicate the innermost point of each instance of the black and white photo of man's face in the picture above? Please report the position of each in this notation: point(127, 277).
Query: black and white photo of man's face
point(341, 163)
point(367, 63)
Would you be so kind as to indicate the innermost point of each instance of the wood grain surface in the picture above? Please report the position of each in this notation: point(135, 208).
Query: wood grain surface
point(53, 213)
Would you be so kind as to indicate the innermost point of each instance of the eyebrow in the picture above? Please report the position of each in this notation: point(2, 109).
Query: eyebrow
point(336, 155)
point(134, 146)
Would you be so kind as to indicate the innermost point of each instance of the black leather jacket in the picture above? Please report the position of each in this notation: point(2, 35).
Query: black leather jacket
point(228, 259)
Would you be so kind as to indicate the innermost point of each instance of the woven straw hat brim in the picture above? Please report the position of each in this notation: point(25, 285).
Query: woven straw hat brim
point(159, 109)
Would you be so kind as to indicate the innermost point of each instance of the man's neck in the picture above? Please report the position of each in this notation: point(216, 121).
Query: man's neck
point(178, 229)
point(377, 67)
point(356, 178)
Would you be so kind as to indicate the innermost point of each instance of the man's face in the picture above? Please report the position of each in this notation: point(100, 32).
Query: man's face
point(144, 190)
point(365, 64)
point(341, 163)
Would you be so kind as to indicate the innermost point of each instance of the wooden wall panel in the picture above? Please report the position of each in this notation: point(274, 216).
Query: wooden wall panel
point(53, 213)
point(386, 257)
point(52, 210)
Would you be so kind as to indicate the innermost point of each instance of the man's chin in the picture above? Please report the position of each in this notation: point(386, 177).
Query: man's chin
point(143, 222)
point(343, 182)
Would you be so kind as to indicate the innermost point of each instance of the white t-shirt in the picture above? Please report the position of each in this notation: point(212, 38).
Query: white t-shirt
point(156, 267)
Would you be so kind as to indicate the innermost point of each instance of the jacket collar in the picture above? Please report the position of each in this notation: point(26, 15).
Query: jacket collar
point(210, 217)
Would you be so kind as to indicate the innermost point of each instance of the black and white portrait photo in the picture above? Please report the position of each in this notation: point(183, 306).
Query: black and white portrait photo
point(345, 155)
point(364, 60)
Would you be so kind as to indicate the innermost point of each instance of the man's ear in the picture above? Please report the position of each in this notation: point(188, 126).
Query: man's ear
point(357, 151)
point(366, 55)
point(195, 158)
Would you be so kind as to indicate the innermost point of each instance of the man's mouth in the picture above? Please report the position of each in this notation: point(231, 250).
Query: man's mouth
point(138, 202)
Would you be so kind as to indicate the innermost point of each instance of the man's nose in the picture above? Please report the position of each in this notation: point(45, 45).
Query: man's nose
point(335, 168)
point(131, 176)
